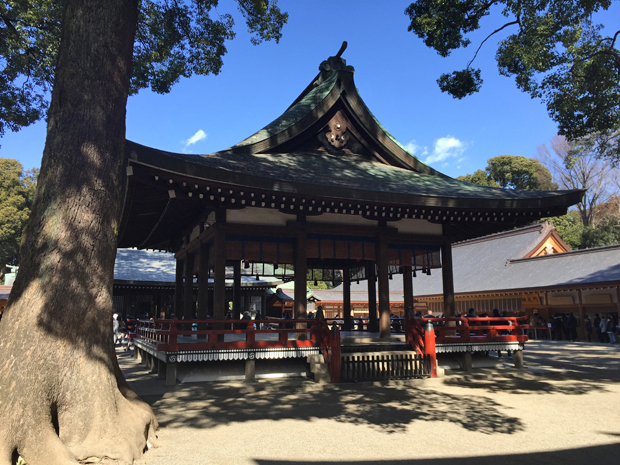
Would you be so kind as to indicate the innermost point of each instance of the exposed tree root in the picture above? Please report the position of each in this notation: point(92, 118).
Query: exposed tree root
point(77, 412)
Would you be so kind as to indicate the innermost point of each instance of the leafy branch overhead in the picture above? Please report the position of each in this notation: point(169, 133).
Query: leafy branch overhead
point(555, 52)
point(174, 39)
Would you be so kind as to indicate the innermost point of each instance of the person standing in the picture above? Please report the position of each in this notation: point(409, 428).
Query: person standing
point(603, 329)
point(597, 327)
point(610, 328)
point(572, 327)
point(116, 328)
point(588, 325)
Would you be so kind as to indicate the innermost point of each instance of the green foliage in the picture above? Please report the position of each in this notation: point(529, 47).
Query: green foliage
point(556, 53)
point(460, 84)
point(570, 228)
point(29, 39)
point(513, 172)
point(479, 177)
point(605, 233)
point(174, 39)
point(16, 198)
point(517, 172)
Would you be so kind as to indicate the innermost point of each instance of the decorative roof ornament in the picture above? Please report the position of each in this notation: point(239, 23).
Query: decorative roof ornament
point(335, 63)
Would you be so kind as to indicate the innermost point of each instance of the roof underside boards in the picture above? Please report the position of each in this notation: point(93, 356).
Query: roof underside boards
point(329, 147)
point(495, 263)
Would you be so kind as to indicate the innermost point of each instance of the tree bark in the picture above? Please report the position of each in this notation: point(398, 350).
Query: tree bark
point(63, 398)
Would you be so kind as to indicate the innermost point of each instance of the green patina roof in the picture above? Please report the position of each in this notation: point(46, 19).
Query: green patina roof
point(355, 176)
point(295, 113)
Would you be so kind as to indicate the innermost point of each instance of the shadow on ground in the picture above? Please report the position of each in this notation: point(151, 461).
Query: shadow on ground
point(606, 454)
point(554, 367)
point(389, 408)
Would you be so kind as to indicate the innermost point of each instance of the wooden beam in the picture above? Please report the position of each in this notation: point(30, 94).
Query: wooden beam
point(301, 272)
point(372, 296)
point(178, 288)
point(236, 290)
point(203, 281)
point(408, 289)
point(346, 297)
point(219, 267)
point(449, 308)
point(385, 331)
point(188, 294)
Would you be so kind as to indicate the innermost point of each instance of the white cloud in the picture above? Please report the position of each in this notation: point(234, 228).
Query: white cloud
point(446, 147)
point(200, 135)
point(414, 149)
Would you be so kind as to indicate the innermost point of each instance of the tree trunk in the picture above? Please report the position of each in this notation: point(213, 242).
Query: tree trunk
point(63, 398)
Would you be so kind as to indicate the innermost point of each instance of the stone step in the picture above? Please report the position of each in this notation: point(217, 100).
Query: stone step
point(315, 358)
point(319, 368)
point(322, 378)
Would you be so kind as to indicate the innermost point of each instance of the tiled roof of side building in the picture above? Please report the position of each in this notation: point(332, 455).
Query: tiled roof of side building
point(496, 263)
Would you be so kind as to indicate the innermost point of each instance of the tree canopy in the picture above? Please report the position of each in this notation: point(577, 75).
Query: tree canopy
point(174, 39)
point(513, 172)
point(577, 165)
point(556, 52)
point(16, 197)
point(67, 402)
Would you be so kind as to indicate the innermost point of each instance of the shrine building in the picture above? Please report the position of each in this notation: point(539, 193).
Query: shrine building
point(323, 190)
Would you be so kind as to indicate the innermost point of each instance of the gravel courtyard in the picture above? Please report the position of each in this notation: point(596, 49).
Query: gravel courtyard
point(563, 408)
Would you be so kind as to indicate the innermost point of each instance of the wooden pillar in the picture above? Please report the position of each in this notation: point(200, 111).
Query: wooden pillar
point(188, 294)
point(372, 297)
point(219, 266)
point(301, 273)
point(408, 289)
point(203, 281)
point(449, 308)
point(346, 297)
point(178, 289)
point(384, 286)
point(236, 290)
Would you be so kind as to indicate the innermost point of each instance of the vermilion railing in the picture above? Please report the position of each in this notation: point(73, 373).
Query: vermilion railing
point(165, 335)
point(329, 343)
point(487, 329)
point(424, 333)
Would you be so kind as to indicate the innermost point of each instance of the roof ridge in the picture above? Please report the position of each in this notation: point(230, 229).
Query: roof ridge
point(603, 248)
point(512, 232)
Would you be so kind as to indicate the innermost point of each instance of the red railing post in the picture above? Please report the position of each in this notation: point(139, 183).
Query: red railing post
point(172, 339)
point(334, 365)
point(429, 347)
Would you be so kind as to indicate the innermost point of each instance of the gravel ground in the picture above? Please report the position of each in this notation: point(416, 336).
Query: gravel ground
point(563, 408)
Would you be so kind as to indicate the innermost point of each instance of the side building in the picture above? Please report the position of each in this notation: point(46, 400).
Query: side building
point(524, 271)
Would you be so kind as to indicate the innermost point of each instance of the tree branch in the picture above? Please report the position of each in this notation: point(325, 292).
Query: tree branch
point(488, 37)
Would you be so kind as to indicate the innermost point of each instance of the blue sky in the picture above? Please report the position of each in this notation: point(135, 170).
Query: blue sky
point(394, 73)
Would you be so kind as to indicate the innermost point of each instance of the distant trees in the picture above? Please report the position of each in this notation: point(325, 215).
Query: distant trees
point(513, 172)
point(568, 165)
point(16, 197)
point(578, 165)
point(555, 51)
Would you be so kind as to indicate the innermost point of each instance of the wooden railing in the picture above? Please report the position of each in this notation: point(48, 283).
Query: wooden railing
point(488, 329)
point(164, 334)
point(424, 333)
point(328, 338)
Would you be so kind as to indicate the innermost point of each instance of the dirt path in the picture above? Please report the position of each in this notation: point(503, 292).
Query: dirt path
point(562, 409)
